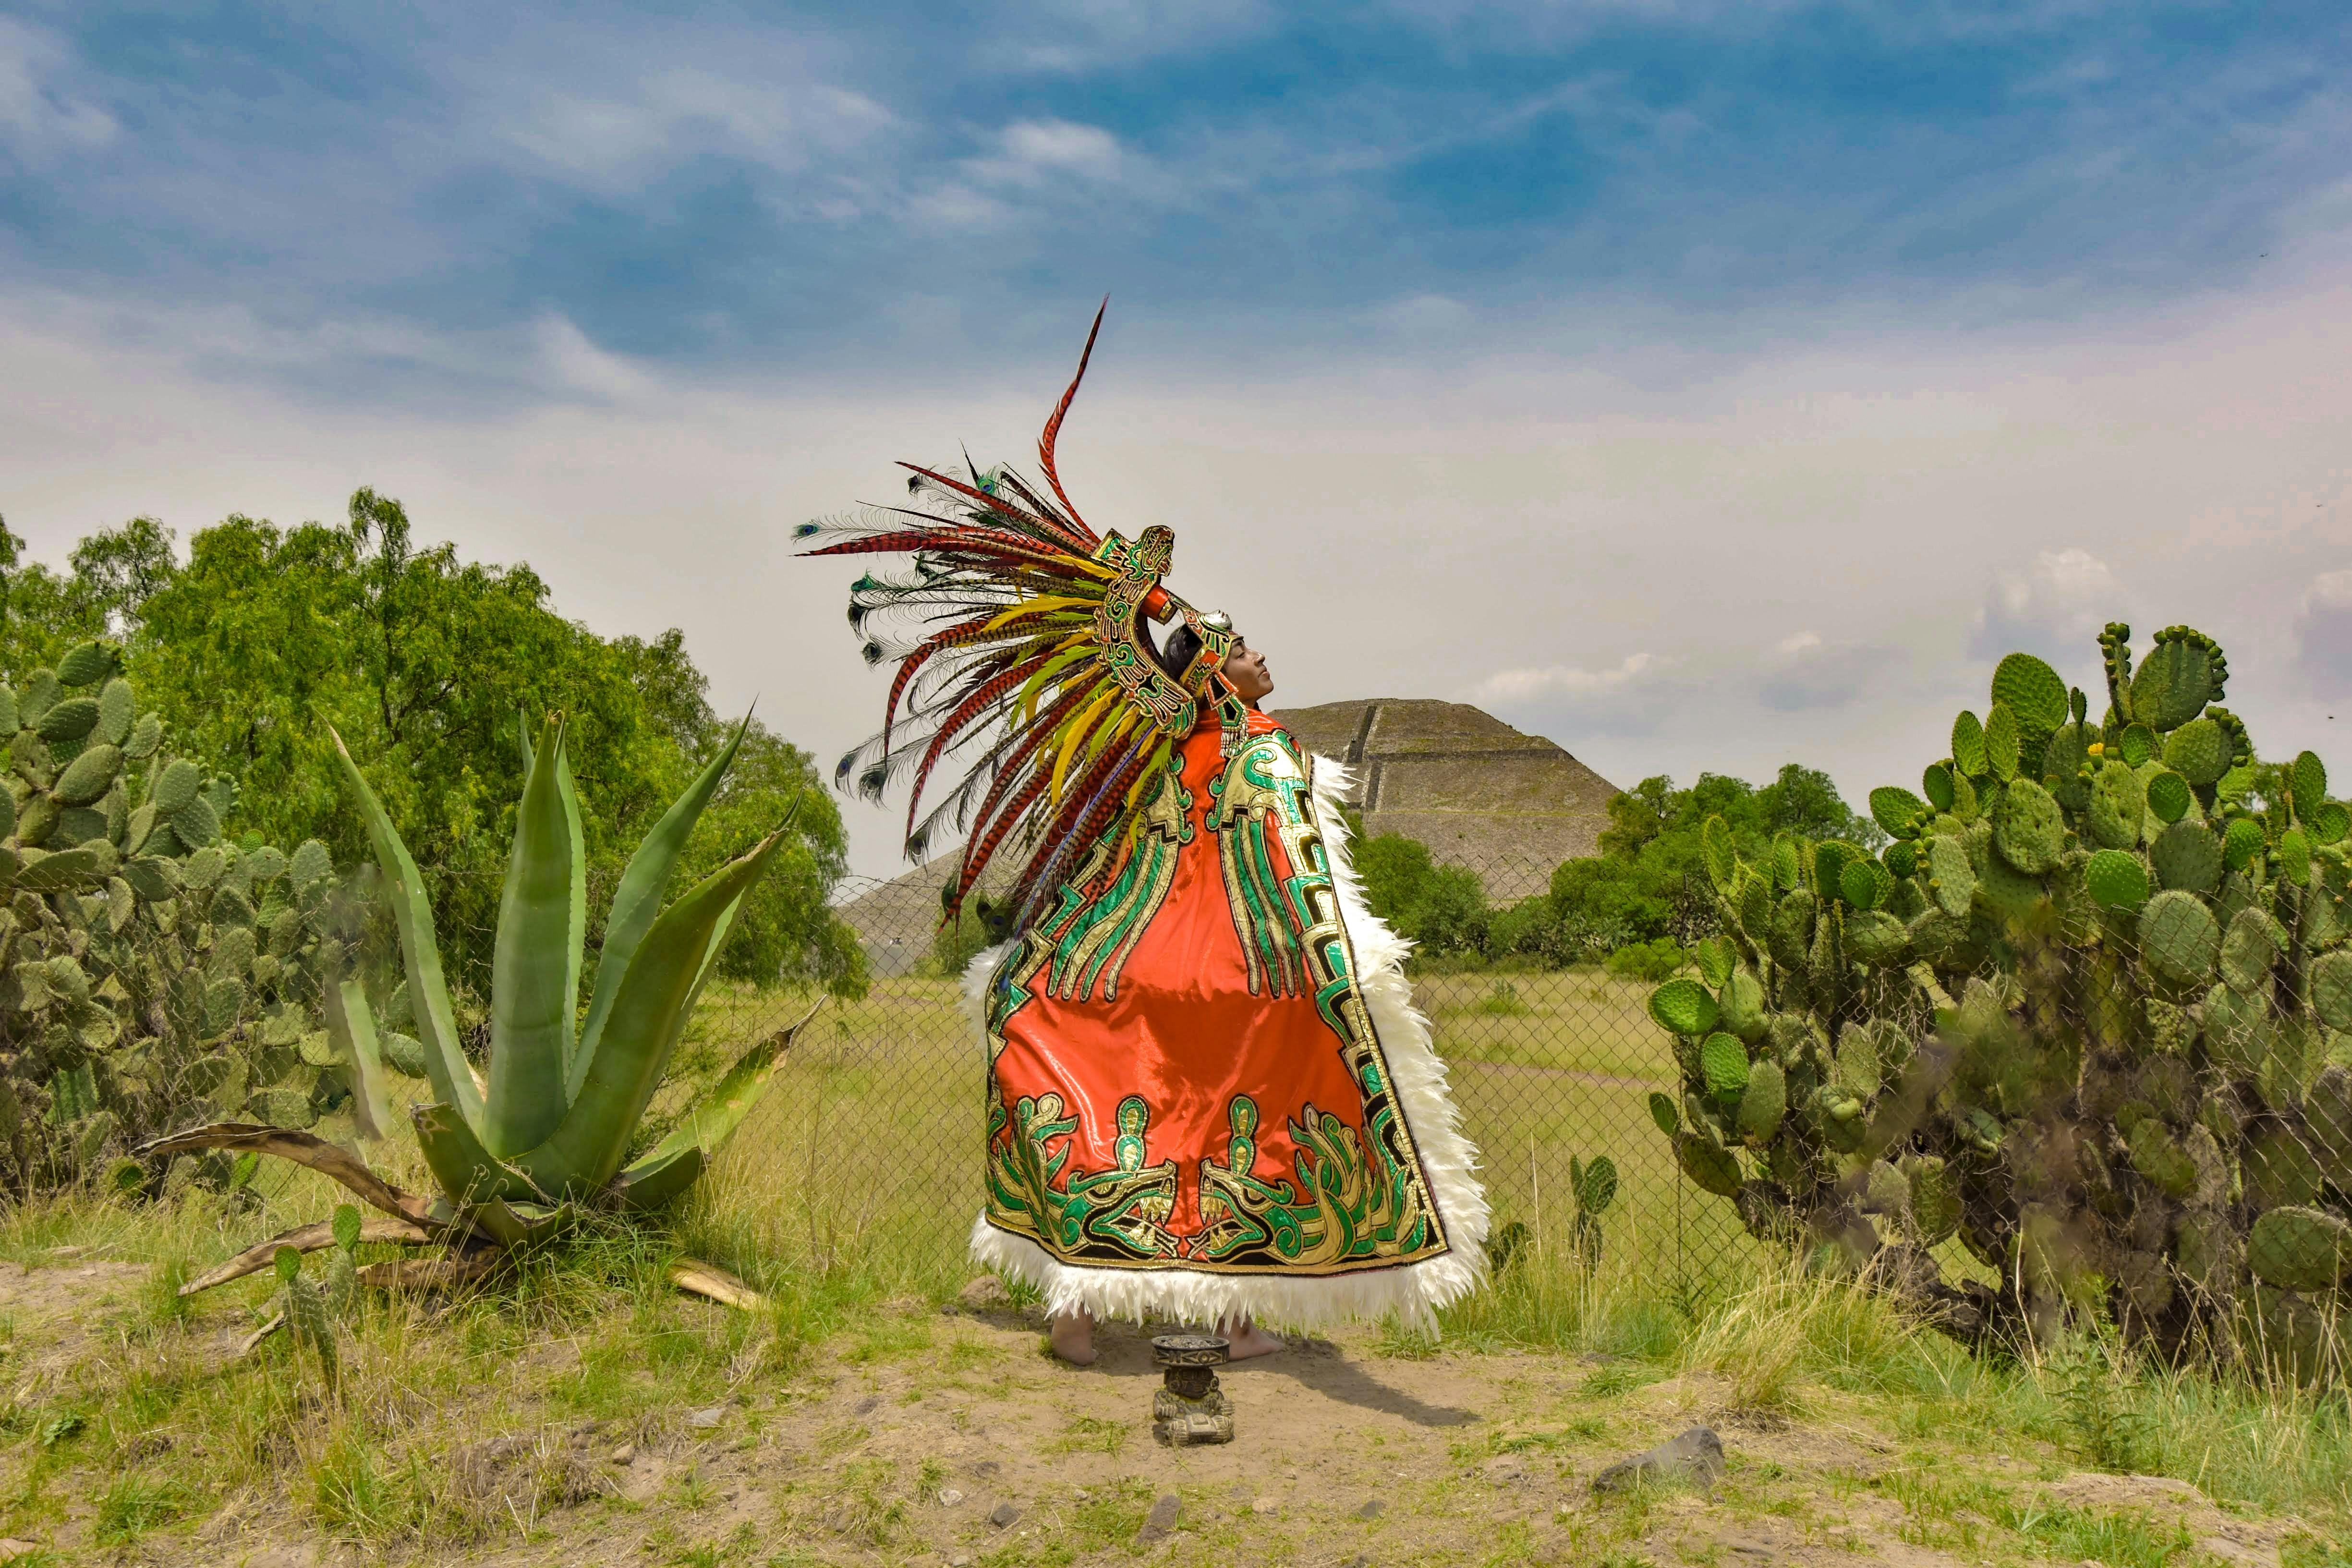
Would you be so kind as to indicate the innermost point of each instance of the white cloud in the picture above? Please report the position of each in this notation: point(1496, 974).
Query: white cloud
point(1556, 680)
point(1030, 150)
point(618, 139)
point(1808, 673)
point(39, 118)
point(2054, 607)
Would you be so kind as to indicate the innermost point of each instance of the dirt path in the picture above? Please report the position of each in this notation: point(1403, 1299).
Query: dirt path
point(949, 1438)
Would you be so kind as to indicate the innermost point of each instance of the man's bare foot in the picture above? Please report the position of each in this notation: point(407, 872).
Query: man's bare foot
point(1245, 1340)
point(1074, 1337)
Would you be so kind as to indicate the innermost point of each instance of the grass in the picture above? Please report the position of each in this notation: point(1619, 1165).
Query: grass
point(846, 1197)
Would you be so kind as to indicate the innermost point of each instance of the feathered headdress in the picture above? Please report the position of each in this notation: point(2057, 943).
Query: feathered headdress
point(1020, 643)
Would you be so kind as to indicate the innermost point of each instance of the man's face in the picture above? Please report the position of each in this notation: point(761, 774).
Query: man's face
point(1245, 671)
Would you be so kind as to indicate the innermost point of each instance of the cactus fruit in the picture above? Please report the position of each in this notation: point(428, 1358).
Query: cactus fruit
point(2145, 1086)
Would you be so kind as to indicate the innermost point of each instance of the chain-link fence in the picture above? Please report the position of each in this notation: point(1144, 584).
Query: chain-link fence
point(878, 1122)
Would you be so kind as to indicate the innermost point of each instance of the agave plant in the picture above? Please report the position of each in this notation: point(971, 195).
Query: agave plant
point(518, 1155)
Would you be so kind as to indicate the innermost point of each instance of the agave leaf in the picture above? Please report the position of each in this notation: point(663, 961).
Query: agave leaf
point(353, 1029)
point(701, 1279)
point(576, 938)
point(657, 1178)
point(427, 1273)
point(649, 1009)
point(304, 1238)
point(530, 1013)
point(446, 1066)
point(467, 1171)
point(515, 1224)
point(714, 1117)
point(304, 1149)
point(637, 902)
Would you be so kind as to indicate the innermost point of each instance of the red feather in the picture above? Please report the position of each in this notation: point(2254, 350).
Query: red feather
point(971, 708)
point(1054, 426)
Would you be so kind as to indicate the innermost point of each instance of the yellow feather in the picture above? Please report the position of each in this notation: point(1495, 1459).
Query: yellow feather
point(1031, 606)
point(1067, 752)
point(1072, 649)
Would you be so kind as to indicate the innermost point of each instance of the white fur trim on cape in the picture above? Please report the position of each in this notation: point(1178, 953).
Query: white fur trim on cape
point(1194, 1296)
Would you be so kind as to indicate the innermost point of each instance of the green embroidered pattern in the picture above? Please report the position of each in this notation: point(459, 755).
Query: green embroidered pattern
point(1103, 1215)
point(1353, 1199)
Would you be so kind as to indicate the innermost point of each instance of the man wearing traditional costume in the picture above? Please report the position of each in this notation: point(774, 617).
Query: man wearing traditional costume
point(1210, 1098)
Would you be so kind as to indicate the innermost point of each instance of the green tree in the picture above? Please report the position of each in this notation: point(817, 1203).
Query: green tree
point(1647, 884)
point(430, 666)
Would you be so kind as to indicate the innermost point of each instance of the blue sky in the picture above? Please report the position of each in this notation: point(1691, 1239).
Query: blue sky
point(1506, 329)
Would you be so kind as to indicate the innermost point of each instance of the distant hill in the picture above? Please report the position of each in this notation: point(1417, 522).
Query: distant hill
point(1508, 806)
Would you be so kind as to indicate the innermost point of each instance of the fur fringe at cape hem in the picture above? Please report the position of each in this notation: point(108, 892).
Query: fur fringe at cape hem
point(1413, 1290)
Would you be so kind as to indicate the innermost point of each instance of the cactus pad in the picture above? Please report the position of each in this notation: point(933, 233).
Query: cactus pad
point(1716, 850)
point(2168, 794)
point(1681, 1006)
point(88, 775)
point(1950, 879)
point(2028, 829)
point(2279, 1169)
point(86, 665)
point(1935, 1200)
point(2117, 807)
point(1897, 810)
point(1663, 1112)
point(145, 736)
point(2137, 745)
point(2306, 783)
point(2000, 741)
point(1968, 744)
point(1709, 1165)
point(2187, 857)
point(2030, 689)
point(2199, 751)
point(2251, 945)
point(1877, 939)
point(177, 785)
point(2299, 1249)
point(1859, 882)
point(1936, 784)
point(2295, 858)
point(2330, 823)
point(2117, 880)
point(2179, 938)
point(69, 720)
point(1723, 1061)
point(2175, 681)
point(1762, 1104)
point(1740, 1004)
point(2241, 842)
point(2331, 988)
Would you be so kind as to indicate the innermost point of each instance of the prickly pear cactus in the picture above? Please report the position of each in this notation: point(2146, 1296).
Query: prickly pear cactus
point(150, 970)
point(2089, 1015)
